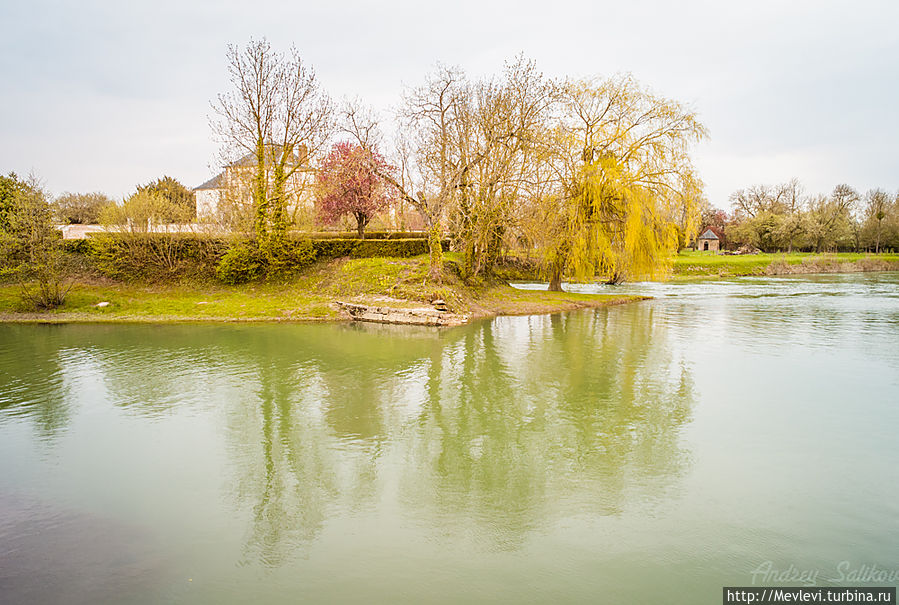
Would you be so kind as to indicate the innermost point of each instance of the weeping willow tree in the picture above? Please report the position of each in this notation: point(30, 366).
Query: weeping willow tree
point(627, 191)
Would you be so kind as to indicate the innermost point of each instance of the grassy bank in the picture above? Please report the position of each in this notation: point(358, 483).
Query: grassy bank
point(702, 265)
point(310, 296)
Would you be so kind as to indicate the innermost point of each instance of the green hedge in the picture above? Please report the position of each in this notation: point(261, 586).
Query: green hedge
point(368, 248)
point(155, 256)
point(76, 246)
point(315, 235)
point(162, 256)
point(245, 262)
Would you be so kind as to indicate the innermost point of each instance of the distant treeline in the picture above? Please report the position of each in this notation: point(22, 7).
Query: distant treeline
point(784, 218)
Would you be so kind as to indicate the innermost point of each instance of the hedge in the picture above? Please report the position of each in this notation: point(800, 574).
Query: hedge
point(314, 235)
point(368, 248)
point(160, 256)
point(155, 256)
point(76, 246)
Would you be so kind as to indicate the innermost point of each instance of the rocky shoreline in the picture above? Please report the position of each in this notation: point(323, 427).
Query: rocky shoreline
point(421, 316)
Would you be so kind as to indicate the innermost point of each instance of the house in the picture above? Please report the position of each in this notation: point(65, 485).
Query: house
point(231, 190)
point(711, 239)
point(208, 195)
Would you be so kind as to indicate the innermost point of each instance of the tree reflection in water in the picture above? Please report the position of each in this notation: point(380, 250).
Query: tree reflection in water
point(488, 431)
point(32, 381)
point(495, 429)
point(532, 419)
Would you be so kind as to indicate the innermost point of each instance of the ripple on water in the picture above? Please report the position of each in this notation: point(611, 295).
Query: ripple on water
point(47, 551)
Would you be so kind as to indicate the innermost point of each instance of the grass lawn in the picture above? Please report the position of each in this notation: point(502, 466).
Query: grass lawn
point(134, 301)
point(705, 264)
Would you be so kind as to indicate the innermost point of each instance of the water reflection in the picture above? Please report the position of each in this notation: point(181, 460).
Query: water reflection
point(542, 458)
point(32, 381)
point(494, 429)
point(530, 420)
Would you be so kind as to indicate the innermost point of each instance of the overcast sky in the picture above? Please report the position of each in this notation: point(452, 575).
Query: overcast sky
point(103, 95)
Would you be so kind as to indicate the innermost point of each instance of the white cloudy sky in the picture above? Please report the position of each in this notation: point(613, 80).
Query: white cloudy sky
point(103, 95)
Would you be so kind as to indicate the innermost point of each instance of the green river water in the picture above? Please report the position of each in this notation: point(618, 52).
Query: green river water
point(723, 434)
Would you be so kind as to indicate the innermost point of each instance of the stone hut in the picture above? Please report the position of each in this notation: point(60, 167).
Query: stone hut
point(709, 240)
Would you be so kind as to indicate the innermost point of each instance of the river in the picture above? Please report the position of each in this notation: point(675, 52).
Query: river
point(725, 433)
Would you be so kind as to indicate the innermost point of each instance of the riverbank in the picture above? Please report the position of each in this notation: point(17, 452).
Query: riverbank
point(393, 283)
point(704, 265)
point(399, 283)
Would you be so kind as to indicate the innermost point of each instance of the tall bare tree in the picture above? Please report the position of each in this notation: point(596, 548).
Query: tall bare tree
point(428, 173)
point(277, 115)
point(510, 121)
point(472, 145)
point(793, 200)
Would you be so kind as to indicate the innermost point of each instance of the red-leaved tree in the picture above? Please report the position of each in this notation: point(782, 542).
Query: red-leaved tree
point(348, 183)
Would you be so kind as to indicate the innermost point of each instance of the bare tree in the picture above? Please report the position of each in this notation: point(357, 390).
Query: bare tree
point(829, 216)
point(877, 205)
point(758, 199)
point(793, 199)
point(510, 120)
point(277, 115)
point(427, 173)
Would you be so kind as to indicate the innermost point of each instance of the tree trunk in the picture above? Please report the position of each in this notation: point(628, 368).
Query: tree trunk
point(558, 261)
point(615, 279)
point(361, 222)
point(435, 252)
point(277, 209)
point(260, 194)
point(469, 258)
point(555, 282)
point(493, 252)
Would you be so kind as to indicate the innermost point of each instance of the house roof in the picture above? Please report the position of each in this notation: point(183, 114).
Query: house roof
point(709, 234)
point(218, 181)
point(213, 183)
point(298, 157)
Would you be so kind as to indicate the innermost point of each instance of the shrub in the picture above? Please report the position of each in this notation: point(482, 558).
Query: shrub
point(288, 256)
point(240, 264)
point(245, 262)
point(301, 254)
point(30, 247)
point(154, 255)
point(76, 246)
point(315, 235)
point(518, 269)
